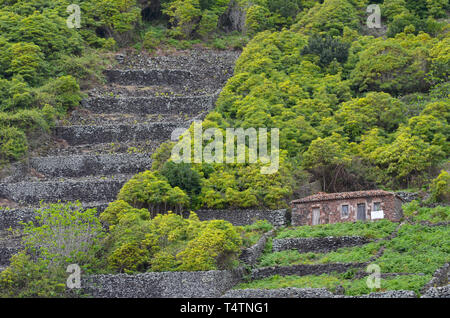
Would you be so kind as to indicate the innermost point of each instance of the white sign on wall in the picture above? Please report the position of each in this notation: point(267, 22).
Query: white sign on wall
point(377, 215)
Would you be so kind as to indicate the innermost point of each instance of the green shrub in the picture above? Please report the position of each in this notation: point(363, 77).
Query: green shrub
point(171, 243)
point(13, 144)
point(129, 257)
point(181, 175)
point(152, 191)
point(440, 188)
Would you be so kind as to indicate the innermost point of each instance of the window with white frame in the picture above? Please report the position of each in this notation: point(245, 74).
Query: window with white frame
point(344, 210)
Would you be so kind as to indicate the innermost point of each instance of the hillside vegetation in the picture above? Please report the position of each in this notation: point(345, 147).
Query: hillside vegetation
point(357, 108)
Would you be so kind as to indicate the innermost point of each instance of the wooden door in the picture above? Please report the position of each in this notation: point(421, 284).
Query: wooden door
point(361, 213)
point(316, 216)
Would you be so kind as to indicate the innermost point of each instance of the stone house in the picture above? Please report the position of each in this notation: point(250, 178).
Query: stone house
point(323, 208)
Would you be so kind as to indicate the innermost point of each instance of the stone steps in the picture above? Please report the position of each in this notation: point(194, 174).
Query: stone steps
point(92, 134)
point(88, 189)
point(90, 165)
point(189, 105)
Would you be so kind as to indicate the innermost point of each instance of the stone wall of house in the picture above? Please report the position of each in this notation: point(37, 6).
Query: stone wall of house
point(238, 217)
point(330, 210)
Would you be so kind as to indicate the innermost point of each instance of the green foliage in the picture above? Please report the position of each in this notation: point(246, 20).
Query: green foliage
point(181, 175)
point(327, 48)
point(357, 254)
point(169, 242)
point(440, 188)
point(416, 249)
point(64, 234)
point(27, 278)
point(329, 17)
point(152, 191)
point(393, 65)
point(13, 144)
point(414, 211)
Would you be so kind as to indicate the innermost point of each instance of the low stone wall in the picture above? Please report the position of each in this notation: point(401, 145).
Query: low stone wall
point(208, 284)
point(13, 217)
point(81, 135)
point(387, 294)
point(317, 244)
point(440, 278)
point(237, 217)
point(437, 292)
point(279, 293)
point(150, 105)
point(149, 77)
point(304, 269)
point(90, 189)
point(251, 255)
point(310, 293)
point(6, 253)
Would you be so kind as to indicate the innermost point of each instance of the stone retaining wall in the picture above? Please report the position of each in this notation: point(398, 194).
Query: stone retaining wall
point(310, 293)
point(251, 255)
point(279, 293)
point(440, 278)
point(304, 269)
point(237, 217)
point(150, 105)
point(208, 284)
point(317, 244)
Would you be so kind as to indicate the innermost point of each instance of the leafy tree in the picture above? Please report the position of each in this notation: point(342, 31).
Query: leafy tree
point(393, 65)
point(181, 175)
point(374, 110)
point(327, 48)
point(326, 157)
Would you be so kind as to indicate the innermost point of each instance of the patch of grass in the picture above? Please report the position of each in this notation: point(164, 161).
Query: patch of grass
point(251, 234)
point(416, 249)
point(379, 229)
point(405, 282)
point(333, 280)
point(342, 255)
point(275, 282)
point(415, 212)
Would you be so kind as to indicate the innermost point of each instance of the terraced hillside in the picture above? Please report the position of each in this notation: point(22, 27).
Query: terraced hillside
point(112, 134)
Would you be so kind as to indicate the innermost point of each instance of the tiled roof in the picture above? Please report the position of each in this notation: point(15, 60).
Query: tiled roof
point(321, 196)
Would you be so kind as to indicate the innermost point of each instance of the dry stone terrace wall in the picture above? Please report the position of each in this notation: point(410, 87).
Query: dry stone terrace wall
point(317, 244)
point(251, 255)
point(309, 293)
point(304, 269)
point(163, 284)
point(148, 105)
point(277, 218)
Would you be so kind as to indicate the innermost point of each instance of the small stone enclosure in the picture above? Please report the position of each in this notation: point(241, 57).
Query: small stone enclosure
point(325, 208)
